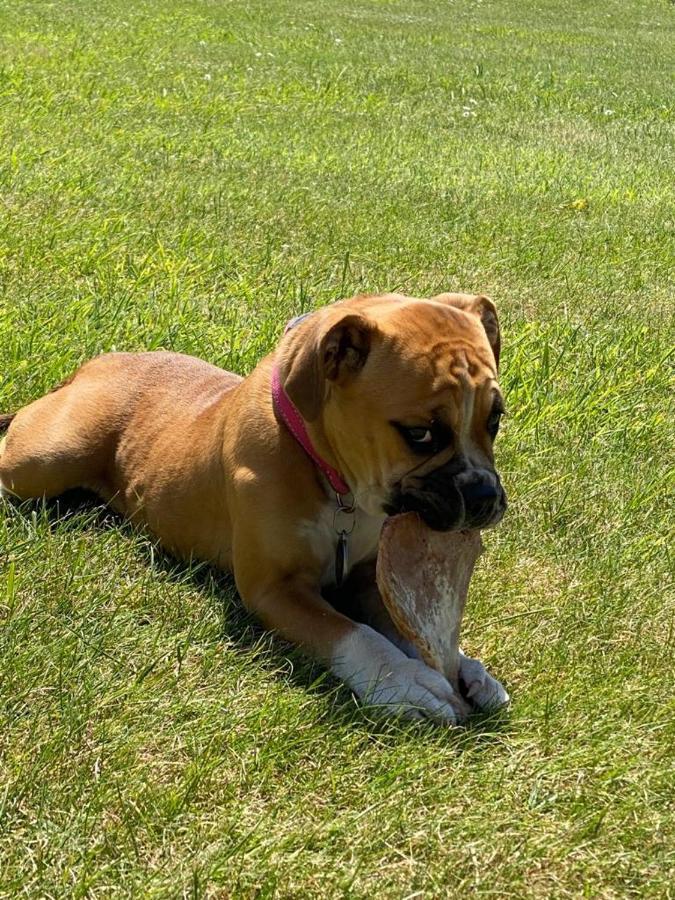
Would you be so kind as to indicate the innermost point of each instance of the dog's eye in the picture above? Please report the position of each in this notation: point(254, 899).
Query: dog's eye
point(493, 422)
point(425, 439)
point(420, 435)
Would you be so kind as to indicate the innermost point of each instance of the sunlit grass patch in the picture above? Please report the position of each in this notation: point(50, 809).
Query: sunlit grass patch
point(189, 176)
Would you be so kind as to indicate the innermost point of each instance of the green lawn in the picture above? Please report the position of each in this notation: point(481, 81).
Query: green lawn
point(187, 175)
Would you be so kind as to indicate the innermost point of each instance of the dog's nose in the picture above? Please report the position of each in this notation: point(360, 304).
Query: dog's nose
point(481, 492)
point(478, 492)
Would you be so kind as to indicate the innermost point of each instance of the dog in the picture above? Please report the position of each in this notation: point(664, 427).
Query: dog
point(367, 407)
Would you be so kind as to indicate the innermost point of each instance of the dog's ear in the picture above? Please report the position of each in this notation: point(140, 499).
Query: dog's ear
point(481, 306)
point(325, 350)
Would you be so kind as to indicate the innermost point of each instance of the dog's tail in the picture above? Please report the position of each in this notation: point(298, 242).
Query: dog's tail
point(5, 421)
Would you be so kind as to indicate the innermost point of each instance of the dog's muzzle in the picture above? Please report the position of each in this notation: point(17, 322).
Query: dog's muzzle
point(452, 497)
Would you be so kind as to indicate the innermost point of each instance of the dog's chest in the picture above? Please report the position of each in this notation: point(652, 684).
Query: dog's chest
point(322, 536)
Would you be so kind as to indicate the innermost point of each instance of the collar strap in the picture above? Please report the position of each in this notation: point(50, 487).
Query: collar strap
point(288, 411)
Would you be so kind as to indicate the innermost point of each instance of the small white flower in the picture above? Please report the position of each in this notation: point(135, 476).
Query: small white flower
point(207, 77)
point(608, 112)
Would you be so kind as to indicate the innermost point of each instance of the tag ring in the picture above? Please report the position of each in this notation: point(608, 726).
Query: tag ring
point(346, 526)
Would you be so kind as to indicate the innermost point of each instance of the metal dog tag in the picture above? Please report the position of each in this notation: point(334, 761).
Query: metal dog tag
point(341, 558)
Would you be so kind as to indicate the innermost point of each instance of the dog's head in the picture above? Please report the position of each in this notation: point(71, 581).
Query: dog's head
point(402, 395)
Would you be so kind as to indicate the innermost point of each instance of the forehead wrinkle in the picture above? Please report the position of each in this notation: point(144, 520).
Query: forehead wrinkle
point(468, 398)
point(458, 373)
point(466, 357)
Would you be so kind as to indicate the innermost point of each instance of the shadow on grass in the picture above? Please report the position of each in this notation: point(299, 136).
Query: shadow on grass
point(80, 508)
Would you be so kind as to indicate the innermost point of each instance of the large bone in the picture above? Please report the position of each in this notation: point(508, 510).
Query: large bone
point(423, 577)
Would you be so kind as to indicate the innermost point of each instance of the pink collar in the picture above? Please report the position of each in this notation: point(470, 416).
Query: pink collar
point(288, 411)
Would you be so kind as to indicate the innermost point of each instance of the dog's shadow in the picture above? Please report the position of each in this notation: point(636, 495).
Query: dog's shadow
point(243, 632)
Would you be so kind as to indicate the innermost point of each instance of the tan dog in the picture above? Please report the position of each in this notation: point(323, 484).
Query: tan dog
point(398, 400)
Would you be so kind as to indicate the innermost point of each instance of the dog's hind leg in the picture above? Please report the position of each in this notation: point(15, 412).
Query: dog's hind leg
point(5, 422)
point(4, 492)
point(59, 442)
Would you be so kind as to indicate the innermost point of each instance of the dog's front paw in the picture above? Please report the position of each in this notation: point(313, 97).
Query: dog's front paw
point(484, 691)
point(388, 680)
point(415, 691)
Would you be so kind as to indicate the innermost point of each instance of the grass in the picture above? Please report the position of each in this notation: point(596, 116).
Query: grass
point(190, 174)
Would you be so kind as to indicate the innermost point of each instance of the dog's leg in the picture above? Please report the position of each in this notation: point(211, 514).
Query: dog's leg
point(385, 676)
point(54, 444)
point(376, 670)
point(484, 691)
point(4, 491)
point(360, 600)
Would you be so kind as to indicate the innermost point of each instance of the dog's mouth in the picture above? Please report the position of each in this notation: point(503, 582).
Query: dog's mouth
point(469, 499)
